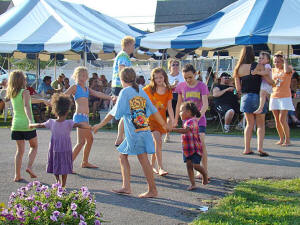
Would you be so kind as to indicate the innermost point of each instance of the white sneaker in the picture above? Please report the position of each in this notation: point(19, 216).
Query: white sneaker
point(239, 126)
point(226, 129)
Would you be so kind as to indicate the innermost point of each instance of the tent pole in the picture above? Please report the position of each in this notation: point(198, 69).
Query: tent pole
point(218, 64)
point(288, 52)
point(84, 58)
point(55, 66)
point(8, 64)
point(37, 70)
point(273, 49)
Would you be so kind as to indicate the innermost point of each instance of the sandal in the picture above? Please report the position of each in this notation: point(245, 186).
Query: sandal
point(248, 153)
point(263, 154)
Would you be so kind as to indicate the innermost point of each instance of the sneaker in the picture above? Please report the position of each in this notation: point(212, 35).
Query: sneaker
point(226, 129)
point(239, 127)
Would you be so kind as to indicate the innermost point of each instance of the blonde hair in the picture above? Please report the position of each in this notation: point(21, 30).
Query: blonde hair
point(171, 61)
point(126, 41)
point(16, 82)
point(128, 75)
point(152, 84)
point(246, 57)
point(79, 71)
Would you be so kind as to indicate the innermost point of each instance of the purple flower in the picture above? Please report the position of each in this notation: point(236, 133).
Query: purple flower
point(81, 217)
point(97, 222)
point(44, 188)
point(38, 203)
point(56, 213)
point(20, 213)
point(54, 186)
point(97, 214)
point(47, 194)
point(38, 189)
point(75, 214)
point(17, 206)
point(58, 205)
point(36, 183)
point(82, 223)
point(84, 189)
point(45, 206)
point(35, 209)
point(73, 206)
point(29, 185)
point(10, 217)
point(53, 218)
point(30, 198)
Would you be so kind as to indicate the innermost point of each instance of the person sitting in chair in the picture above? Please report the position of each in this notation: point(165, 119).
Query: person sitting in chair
point(225, 101)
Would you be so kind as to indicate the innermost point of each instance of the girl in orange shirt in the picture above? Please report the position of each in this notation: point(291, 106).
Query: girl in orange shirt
point(160, 94)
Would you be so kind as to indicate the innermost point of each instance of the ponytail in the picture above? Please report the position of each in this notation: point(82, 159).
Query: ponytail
point(128, 76)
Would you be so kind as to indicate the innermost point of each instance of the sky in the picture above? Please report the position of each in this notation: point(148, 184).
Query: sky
point(138, 13)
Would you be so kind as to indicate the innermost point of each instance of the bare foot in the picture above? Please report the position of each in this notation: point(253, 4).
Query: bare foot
point(199, 176)
point(192, 187)
point(162, 172)
point(286, 144)
point(32, 175)
point(258, 111)
point(148, 194)
point(88, 165)
point(279, 143)
point(122, 191)
point(18, 179)
point(204, 179)
point(155, 171)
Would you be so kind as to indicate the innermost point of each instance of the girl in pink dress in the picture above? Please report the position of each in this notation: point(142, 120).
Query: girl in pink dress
point(60, 147)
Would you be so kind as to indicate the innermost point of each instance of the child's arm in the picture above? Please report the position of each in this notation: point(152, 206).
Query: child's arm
point(161, 121)
point(82, 125)
point(99, 94)
point(36, 100)
point(36, 125)
point(286, 67)
point(105, 121)
point(170, 111)
point(27, 109)
point(181, 130)
point(237, 83)
point(204, 106)
point(179, 101)
point(71, 90)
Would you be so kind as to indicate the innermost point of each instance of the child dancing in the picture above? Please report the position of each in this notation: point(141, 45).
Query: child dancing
point(20, 131)
point(160, 94)
point(81, 96)
point(60, 147)
point(134, 106)
point(191, 143)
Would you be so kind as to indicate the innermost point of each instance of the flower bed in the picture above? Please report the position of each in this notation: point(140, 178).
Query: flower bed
point(39, 204)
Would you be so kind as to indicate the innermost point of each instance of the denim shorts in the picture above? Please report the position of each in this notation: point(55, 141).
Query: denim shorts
point(80, 117)
point(250, 103)
point(202, 129)
point(195, 158)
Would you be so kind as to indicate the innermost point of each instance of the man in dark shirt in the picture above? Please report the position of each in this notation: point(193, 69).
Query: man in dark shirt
point(225, 101)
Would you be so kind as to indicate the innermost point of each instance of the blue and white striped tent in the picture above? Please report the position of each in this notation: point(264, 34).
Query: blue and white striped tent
point(245, 22)
point(56, 26)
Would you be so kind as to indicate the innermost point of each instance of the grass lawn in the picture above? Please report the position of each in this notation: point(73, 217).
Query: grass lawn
point(257, 202)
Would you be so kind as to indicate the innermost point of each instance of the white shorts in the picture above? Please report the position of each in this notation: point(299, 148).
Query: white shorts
point(281, 104)
point(266, 87)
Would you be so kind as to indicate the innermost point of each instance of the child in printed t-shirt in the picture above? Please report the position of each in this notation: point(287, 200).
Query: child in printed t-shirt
point(265, 87)
point(134, 106)
point(196, 92)
point(60, 148)
point(191, 143)
point(160, 94)
point(81, 95)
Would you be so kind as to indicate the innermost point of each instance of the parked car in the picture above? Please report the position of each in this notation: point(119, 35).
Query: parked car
point(30, 77)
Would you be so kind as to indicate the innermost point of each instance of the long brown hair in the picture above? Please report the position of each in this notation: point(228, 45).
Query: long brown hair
point(153, 85)
point(128, 75)
point(246, 57)
point(16, 82)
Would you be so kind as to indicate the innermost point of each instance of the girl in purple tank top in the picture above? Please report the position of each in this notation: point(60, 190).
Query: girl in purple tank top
point(60, 147)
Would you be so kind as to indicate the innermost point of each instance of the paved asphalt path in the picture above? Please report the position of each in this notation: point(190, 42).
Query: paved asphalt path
point(174, 205)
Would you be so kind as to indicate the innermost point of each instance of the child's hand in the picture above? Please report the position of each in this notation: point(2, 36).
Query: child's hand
point(114, 98)
point(169, 127)
point(47, 102)
point(31, 125)
point(95, 129)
